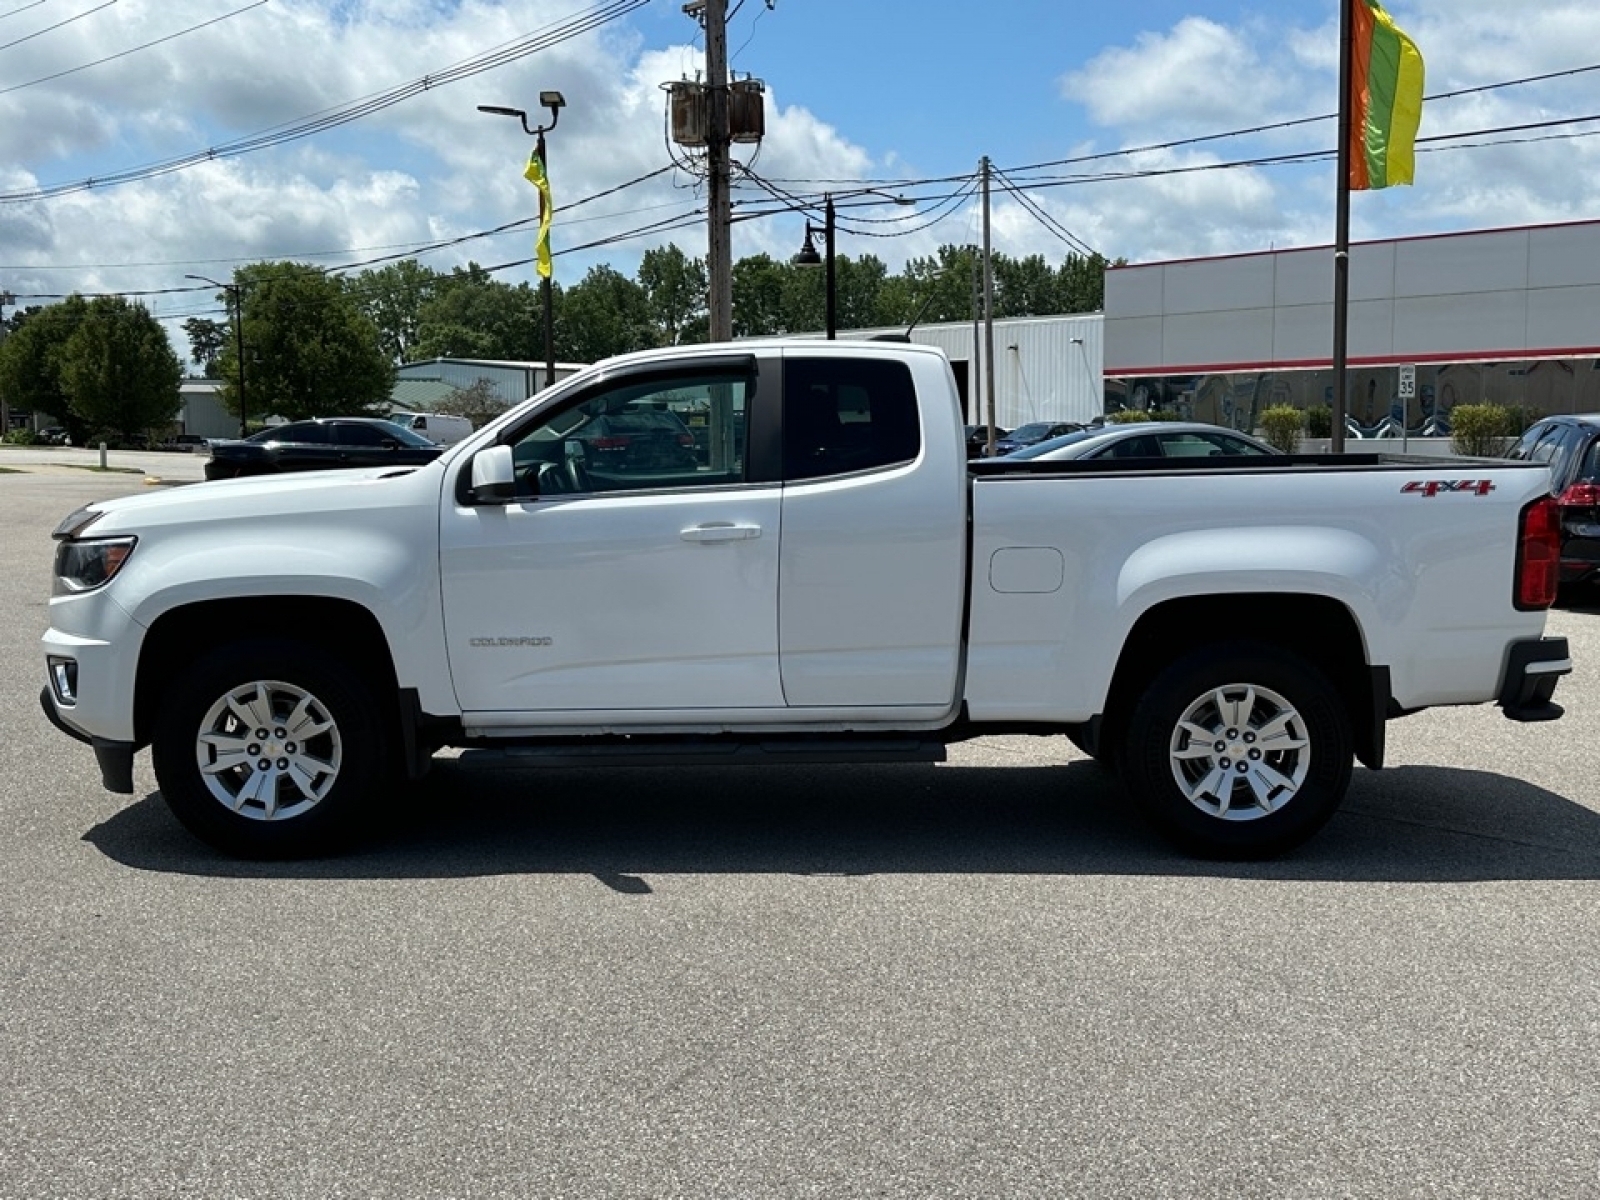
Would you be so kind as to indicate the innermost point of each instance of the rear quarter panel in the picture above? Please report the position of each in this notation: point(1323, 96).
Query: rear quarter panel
point(1064, 567)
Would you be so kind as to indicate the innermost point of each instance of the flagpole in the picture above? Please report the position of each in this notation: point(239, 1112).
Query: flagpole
point(1341, 229)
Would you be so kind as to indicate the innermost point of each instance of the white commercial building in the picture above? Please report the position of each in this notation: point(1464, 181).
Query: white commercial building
point(1506, 316)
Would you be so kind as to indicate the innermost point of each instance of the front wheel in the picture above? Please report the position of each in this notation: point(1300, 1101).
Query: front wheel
point(269, 750)
point(1239, 751)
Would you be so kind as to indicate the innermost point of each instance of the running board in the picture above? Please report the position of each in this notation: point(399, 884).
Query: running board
point(634, 752)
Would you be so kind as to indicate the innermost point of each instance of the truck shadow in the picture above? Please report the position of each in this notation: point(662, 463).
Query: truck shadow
point(621, 825)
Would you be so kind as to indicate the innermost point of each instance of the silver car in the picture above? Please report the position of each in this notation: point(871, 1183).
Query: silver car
point(1149, 439)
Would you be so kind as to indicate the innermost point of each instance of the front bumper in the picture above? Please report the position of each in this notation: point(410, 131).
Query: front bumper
point(1531, 672)
point(115, 759)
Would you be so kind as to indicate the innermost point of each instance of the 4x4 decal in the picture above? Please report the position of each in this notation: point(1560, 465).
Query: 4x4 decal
point(1432, 487)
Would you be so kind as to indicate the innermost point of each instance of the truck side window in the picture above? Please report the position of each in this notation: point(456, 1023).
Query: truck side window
point(847, 414)
point(686, 431)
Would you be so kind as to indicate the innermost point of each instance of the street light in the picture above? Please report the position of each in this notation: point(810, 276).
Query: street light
point(555, 102)
point(808, 256)
point(235, 294)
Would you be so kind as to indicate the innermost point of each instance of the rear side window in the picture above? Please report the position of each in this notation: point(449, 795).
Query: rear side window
point(353, 434)
point(303, 432)
point(847, 414)
point(1568, 442)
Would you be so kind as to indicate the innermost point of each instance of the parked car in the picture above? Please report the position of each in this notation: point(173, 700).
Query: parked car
point(636, 439)
point(1033, 433)
point(327, 442)
point(54, 435)
point(1570, 447)
point(1160, 439)
point(187, 443)
point(978, 439)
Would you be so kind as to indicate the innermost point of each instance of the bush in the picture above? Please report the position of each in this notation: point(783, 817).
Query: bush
point(20, 437)
point(1480, 430)
point(1128, 416)
point(1319, 422)
point(1280, 425)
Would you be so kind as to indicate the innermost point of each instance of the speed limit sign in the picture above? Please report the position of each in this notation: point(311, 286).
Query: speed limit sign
point(1408, 382)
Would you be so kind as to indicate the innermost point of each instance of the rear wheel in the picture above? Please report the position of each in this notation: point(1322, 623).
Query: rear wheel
point(269, 750)
point(1239, 751)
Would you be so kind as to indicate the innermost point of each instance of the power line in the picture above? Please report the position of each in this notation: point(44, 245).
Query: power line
point(1031, 205)
point(57, 25)
point(556, 33)
point(125, 53)
point(23, 9)
point(1274, 126)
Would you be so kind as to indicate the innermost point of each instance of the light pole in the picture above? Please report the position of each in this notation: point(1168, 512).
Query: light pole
point(808, 256)
point(235, 294)
point(6, 298)
point(555, 102)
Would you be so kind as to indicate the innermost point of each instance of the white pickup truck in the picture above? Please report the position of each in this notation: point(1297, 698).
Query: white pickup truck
point(777, 551)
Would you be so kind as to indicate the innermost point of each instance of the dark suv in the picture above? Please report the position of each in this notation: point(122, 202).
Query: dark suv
point(1569, 446)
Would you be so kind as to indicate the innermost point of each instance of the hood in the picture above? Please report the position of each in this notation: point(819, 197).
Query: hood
point(258, 497)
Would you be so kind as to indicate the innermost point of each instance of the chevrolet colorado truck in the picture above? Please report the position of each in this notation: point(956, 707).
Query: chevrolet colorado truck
point(825, 578)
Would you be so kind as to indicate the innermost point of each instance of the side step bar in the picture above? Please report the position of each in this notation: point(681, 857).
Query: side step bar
point(638, 752)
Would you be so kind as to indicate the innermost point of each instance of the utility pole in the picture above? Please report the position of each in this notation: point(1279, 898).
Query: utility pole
point(988, 309)
point(719, 241)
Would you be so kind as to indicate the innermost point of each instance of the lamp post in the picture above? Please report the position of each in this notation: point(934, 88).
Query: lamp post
point(555, 102)
point(808, 256)
point(6, 298)
point(235, 294)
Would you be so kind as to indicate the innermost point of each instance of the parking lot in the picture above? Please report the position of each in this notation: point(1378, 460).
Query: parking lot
point(983, 978)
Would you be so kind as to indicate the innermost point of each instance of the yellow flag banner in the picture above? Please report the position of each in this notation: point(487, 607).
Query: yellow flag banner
point(536, 176)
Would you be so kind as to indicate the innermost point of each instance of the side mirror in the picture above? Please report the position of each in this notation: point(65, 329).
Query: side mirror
point(493, 476)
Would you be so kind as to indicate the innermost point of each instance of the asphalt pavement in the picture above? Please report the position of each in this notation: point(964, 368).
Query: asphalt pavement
point(979, 979)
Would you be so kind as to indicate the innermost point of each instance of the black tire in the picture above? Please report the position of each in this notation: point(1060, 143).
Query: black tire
point(1273, 770)
point(325, 754)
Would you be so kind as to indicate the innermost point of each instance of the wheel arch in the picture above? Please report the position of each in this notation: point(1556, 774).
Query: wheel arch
point(1318, 628)
point(181, 636)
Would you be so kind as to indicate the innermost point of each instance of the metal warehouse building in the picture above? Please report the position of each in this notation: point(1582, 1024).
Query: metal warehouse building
point(1047, 368)
point(512, 382)
point(1506, 316)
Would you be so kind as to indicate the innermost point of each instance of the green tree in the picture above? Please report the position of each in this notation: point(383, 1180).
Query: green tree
point(940, 289)
point(119, 371)
point(206, 339)
point(1082, 283)
point(1025, 287)
point(310, 350)
point(758, 296)
point(607, 313)
point(472, 315)
point(394, 297)
point(478, 402)
point(31, 361)
point(676, 289)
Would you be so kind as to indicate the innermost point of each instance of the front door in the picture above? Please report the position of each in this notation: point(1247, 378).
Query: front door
point(639, 569)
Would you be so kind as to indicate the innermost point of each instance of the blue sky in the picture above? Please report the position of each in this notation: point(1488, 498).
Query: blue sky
point(860, 91)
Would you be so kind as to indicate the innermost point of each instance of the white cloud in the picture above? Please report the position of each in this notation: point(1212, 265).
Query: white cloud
point(1199, 76)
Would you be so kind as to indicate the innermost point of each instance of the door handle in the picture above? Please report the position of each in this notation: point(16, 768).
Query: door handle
point(720, 531)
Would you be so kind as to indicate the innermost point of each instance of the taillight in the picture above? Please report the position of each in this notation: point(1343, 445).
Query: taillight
point(1579, 495)
point(686, 439)
point(611, 443)
point(1538, 555)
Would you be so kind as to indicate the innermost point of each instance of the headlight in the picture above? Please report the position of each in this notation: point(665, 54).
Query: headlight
point(83, 566)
